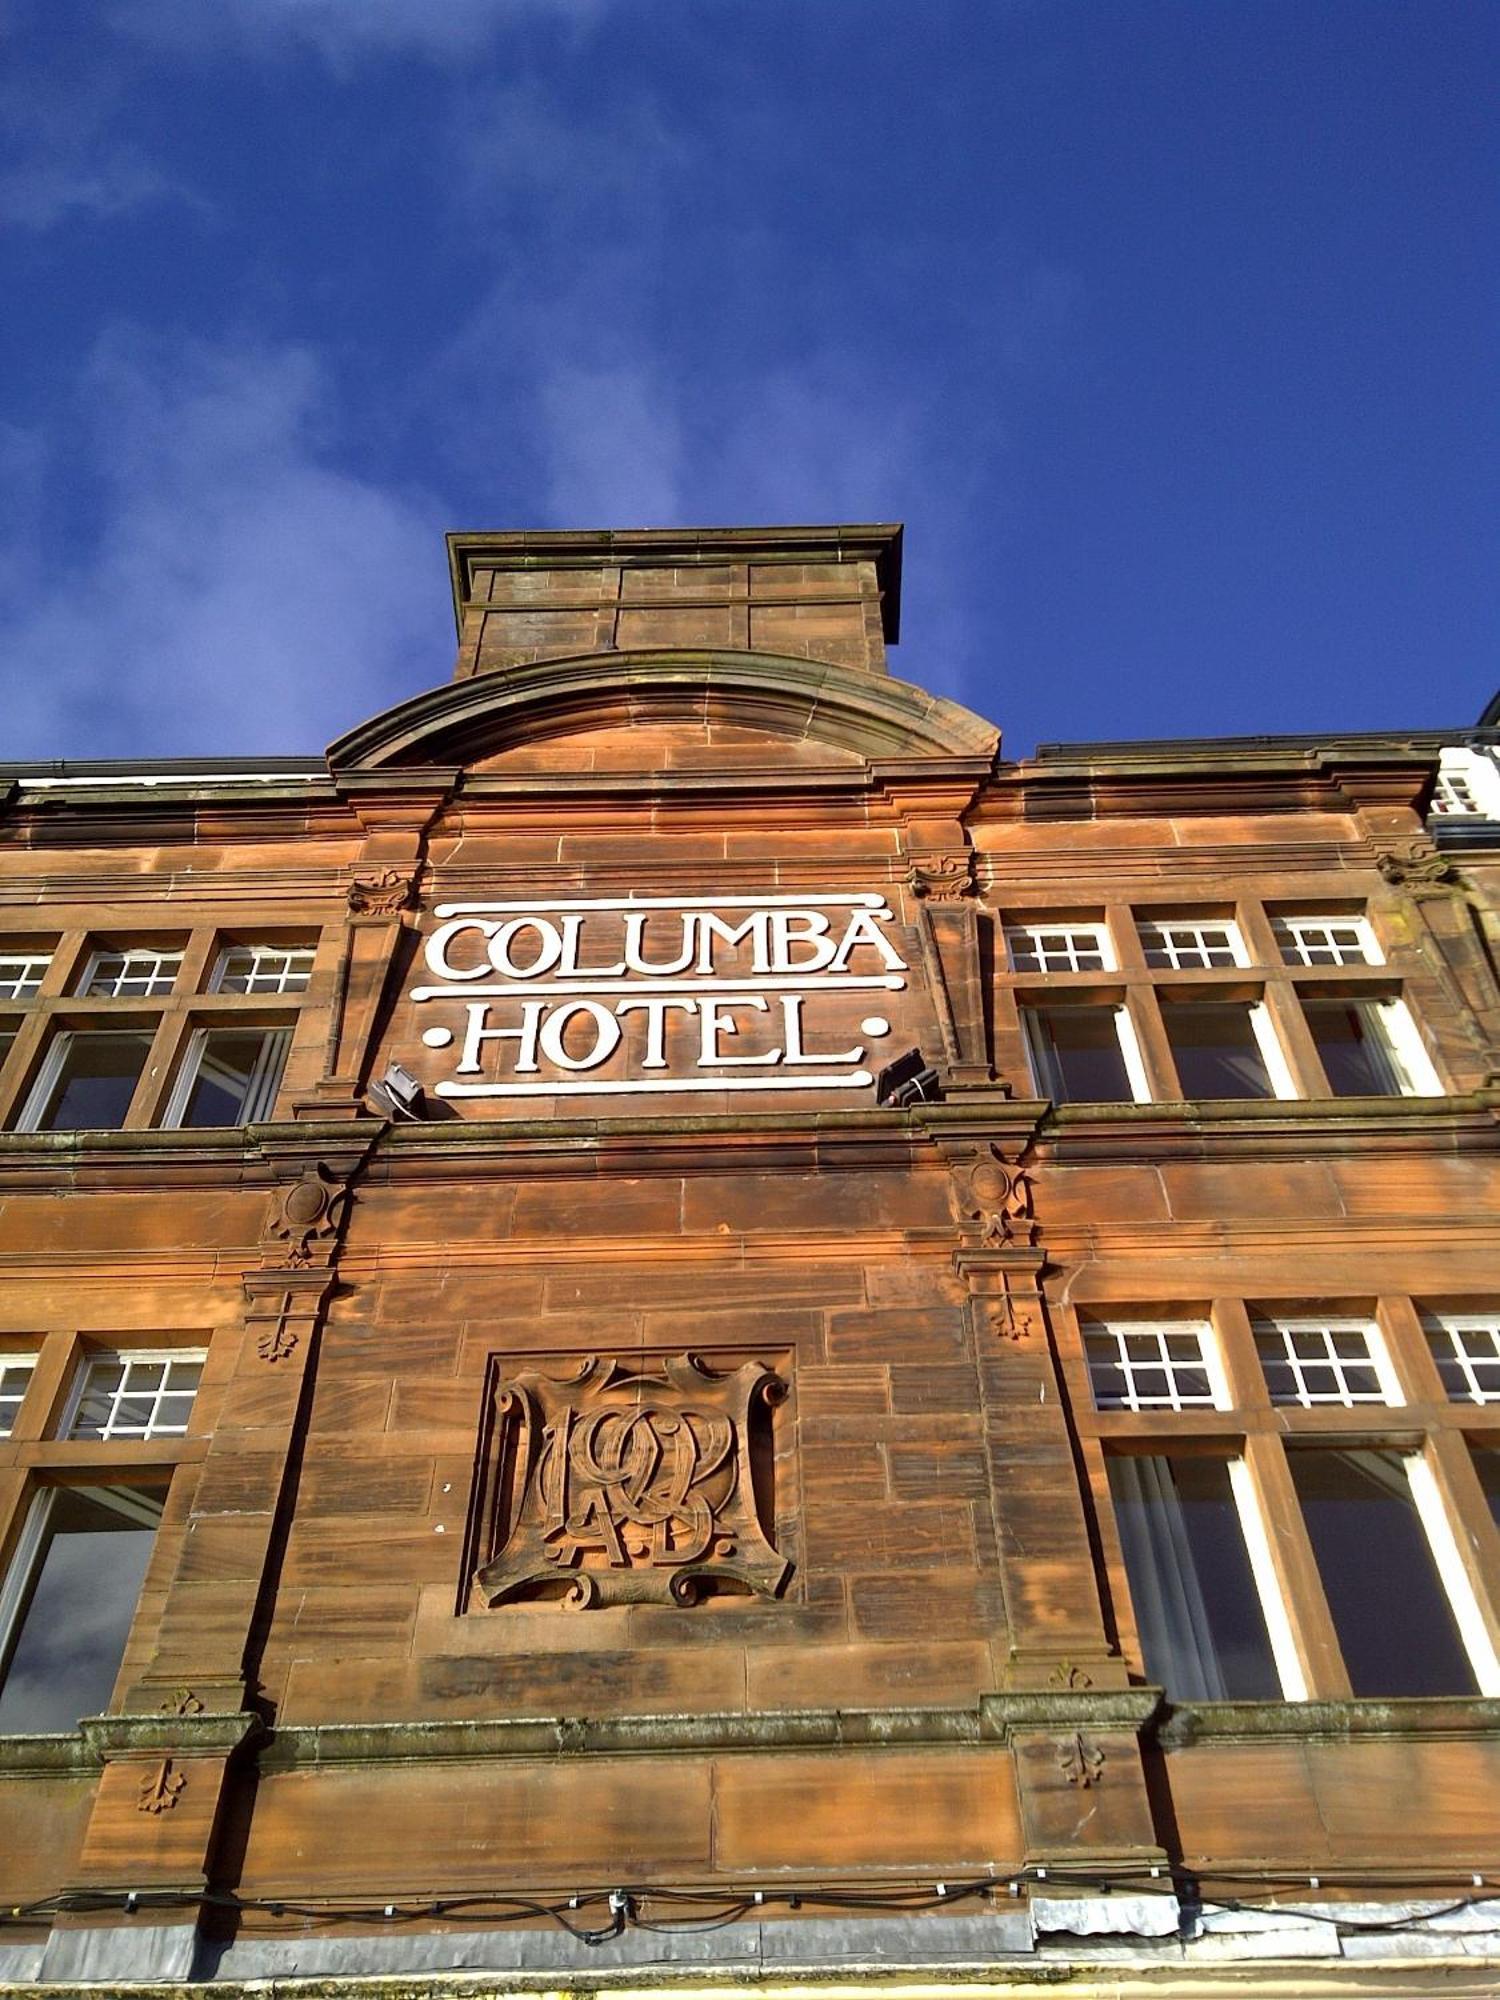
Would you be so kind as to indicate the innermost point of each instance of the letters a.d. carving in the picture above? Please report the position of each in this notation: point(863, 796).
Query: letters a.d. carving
point(629, 1484)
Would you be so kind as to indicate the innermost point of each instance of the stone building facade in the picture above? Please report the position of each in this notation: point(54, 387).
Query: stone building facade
point(664, 1314)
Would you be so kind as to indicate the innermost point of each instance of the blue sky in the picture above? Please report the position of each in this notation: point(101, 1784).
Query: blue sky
point(1167, 326)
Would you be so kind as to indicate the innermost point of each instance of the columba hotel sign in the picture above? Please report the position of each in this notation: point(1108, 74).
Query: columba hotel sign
point(611, 995)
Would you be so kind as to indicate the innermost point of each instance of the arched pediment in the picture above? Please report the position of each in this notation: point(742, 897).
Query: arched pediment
point(741, 698)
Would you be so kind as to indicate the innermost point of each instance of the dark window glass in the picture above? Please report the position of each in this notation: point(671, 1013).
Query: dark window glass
point(1352, 1044)
point(1077, 1056)
point(1394, 1621)
point(1215, 1050)
point(76, 1604)
point(1487, 1465)
point(234, 1082)
point(96, 1082)
point(1203, 1632)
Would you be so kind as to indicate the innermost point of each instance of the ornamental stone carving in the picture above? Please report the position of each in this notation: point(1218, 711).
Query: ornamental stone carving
point(383, 895)
point(1419, 868)
point(307, 1216)
point(992, 1201)
point(628, 1483)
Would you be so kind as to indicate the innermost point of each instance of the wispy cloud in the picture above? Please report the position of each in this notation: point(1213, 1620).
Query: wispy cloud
point(242, 592)
point(340, 30)
point(60, 161)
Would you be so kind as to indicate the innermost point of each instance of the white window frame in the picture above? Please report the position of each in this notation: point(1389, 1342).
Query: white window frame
point(1130, 1047)
point(136, 959)
point(149, 1357)
point(1279, 1628)
point(265, 1080)
point(1208, 1363)
point(24, 1366)
point(1194, 927)
point(286, 979)
point(1455, 1326)
point(1030, 932)
point(1477, 772)
point(1377, 1357)
point(1443, 1540)
point(1289, 925)
point(25, 983)
point(1267, 1041)
point(52, 1067)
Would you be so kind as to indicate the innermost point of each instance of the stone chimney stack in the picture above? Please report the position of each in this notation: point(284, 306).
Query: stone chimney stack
point(830, 593)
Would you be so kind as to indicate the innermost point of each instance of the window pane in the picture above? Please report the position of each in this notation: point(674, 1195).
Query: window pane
point(15, 1380)
point(1077, 1055)
point(1216, 1052)
point(1467, 1353)
point(1353, 1047)
point(1202, 1629)
point(95, 1084)
point(1394, 1621)
point(77, 1606)
point(140, 1397)
point(21, 973)
point(230, 1067)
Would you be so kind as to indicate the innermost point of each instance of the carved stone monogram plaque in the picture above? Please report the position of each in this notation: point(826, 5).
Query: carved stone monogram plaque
point(628, 1482)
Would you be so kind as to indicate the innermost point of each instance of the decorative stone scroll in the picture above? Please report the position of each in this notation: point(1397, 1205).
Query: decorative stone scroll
point(1420, 868)
point(628, 1483)
point(383, 895)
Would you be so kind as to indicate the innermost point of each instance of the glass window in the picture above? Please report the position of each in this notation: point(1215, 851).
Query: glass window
point(1191, 946)
point(1084, 1055)
point(230, 1077)
point(15, 1380)
point(1198, 1607)
point(87, 1081)
point(1317, 1361)
point(263, 968)
point(1057, 948)
point(137, 1396)
point(1453, 796)
point(1151, 1365)
point(1466, 1348)
point(132, 975)
point(1395, 1621)
point(22, 972)
point(1326, 941)
point(1357, 1047)
point(66, 1610)
point(1217, 1047)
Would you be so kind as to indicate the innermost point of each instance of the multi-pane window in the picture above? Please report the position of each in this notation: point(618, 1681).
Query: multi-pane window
point(68, 1602)
point(1085, 1055)
point(136, 1396)
point(141, 974)
point(1326, 941)
point(1152, 1365)
point(15, 1379)
point(1189, 946)
point(87, 1081)
point(1058, 948)
point(1324, 1361)
point(1453, 796)
point(230, 1077)
point(1466, 1348)
point(263, 968)
point(1370, 1048)
point(22, 972)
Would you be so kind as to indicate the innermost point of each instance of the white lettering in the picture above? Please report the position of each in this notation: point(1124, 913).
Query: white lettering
point(716, 1020)
point(437, 948)
point(655, 1011)
point(791, 1008)
point(789, 927)
point(571, 927)
point(863, 929)
point(710, 927)
point(549, 947)
point(477, 1033)
point(635, 959)
point(607, 1033)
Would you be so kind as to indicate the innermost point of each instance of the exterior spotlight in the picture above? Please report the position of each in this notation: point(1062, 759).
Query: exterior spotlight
point(398, 1094)
point(907, 1080)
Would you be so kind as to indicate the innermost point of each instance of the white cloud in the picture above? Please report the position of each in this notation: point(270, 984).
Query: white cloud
point(40, 193)
point(241, 594)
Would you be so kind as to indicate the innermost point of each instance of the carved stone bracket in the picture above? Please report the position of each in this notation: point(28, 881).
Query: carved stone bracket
point(383, 895)
point(305, 1220)
point(625, 1483)
point(1420, 868)
point(948, 920)
point(942, 878)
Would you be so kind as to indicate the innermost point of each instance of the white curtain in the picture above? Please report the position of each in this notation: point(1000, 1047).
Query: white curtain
point(1170, 1612)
